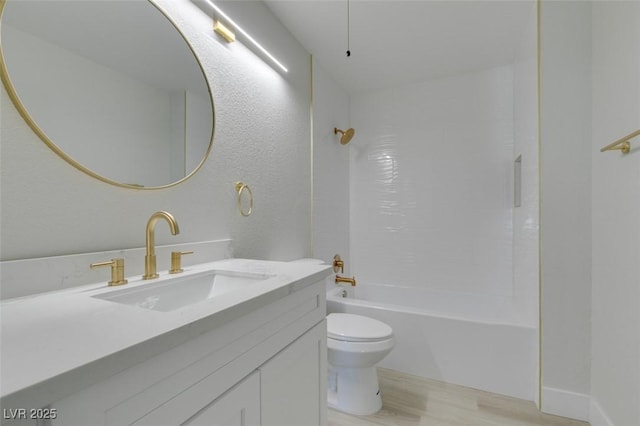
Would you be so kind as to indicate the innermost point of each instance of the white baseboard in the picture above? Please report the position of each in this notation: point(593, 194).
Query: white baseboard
point(597, 416)
point(566, 404)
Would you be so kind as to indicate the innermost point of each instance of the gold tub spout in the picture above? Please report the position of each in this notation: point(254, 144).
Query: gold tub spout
point(150, 257)
point(351, 280)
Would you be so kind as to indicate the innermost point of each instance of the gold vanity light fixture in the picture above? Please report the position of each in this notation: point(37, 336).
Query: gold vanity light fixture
point(246, 35)
point(347, 135)
point(223, 31)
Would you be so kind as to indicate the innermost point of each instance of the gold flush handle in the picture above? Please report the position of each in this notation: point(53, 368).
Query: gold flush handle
point(176, 261)
point(117, 270)
point(338, 264)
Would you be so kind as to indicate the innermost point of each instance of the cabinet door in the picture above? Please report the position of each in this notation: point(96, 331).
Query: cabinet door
point(240, 406)
point(293, 384)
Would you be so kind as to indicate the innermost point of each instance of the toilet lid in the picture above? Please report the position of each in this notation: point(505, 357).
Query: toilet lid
point(356, 328)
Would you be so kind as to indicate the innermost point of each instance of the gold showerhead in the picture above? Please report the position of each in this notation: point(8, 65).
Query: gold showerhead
point(346, 135)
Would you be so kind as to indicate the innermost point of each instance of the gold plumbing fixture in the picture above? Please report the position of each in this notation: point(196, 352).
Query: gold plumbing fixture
point(150, 257)
point(351, 280)
point(622, 144)
point(346, 135)
point(176, 260)
point(338, 264)
point(117, 270)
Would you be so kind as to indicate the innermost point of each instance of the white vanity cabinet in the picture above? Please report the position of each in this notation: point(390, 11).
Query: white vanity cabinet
point(239, 406)
point(293, 388)
point(265, 367)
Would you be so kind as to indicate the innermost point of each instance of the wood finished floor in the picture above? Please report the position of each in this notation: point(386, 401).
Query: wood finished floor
point(413, 401)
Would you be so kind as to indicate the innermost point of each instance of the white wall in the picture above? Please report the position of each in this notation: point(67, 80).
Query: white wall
point(526, 217)
point(590, 76)
point(262, 138)
point(330, 169)
point(431, 187)
point(615, 322)
point(525, 144)
point(565, 206)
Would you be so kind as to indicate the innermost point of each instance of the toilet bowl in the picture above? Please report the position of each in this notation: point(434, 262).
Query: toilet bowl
point(355, 344)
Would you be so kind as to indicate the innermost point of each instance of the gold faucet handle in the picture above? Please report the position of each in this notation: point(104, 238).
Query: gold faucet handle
point(176, 261)
point(338, 264)
point(117, 270)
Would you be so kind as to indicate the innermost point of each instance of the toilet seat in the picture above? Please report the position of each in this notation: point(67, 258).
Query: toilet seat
point(356, 328)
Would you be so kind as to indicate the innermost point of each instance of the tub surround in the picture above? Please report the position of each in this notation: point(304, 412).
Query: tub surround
point(486, 349)
point(430, 177)
point(58, 343)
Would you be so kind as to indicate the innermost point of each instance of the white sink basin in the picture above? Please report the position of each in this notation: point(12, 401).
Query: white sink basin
point(181, 291)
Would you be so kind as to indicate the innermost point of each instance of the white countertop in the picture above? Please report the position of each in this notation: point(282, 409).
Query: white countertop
point(55, 344)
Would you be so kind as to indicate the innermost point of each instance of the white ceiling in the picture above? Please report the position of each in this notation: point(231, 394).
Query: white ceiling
point(395, 42)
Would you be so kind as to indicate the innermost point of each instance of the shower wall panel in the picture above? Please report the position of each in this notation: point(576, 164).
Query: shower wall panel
point(431, 184)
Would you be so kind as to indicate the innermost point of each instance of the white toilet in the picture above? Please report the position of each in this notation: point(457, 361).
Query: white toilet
point(355, 344)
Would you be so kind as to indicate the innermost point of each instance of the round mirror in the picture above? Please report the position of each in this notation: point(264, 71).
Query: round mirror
point(111, 86)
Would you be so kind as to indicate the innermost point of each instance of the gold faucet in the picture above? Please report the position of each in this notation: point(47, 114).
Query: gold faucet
point(150, 258)
point(340, 279)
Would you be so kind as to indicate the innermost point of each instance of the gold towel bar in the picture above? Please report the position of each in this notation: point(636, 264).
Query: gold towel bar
point(622, 144)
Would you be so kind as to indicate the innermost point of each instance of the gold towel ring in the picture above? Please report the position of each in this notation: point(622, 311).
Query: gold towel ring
point(240, 187)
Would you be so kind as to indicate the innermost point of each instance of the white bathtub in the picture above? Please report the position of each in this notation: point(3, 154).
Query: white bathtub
point(463, 339)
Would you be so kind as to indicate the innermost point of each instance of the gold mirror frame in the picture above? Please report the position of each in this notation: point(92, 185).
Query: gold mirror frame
point(4, 76)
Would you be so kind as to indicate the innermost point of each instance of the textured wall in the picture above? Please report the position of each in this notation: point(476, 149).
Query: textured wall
point(431, 190)
point(262, 138)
